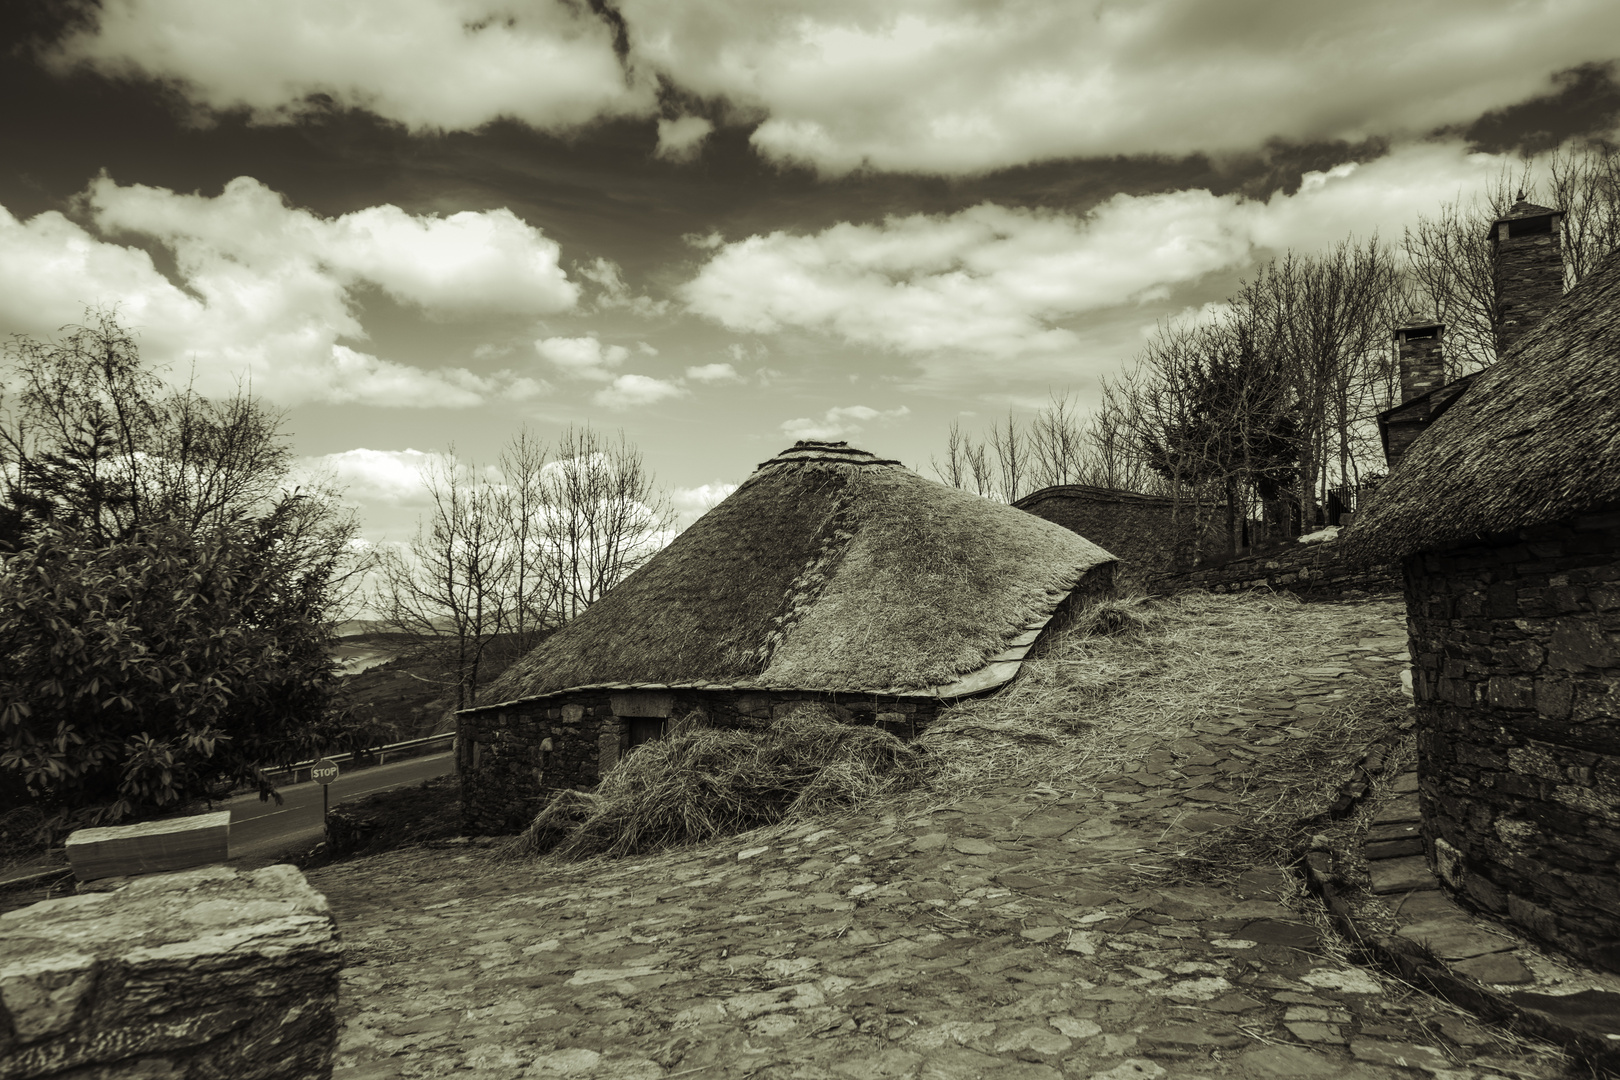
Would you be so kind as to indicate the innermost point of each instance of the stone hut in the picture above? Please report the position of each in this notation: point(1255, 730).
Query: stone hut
point(1505, 514)
point(831, 580)
point(1143, 531)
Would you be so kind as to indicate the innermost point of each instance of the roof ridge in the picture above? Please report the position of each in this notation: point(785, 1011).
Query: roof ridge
point(807, 451)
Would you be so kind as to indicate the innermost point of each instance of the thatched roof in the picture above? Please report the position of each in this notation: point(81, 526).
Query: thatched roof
point(1534, 439)
point(828, 569)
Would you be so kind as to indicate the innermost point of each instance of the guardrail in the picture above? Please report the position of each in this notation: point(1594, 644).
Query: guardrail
point(290, 774)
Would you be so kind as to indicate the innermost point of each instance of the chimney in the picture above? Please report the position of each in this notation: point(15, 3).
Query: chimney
point(1529, 270)
point(1422, 364)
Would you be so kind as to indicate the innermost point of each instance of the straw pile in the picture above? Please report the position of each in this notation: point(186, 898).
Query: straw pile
point(702, 783)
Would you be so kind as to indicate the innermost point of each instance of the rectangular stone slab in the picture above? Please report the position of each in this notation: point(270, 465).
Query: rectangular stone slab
point(152, 847)
point(1407, 874)
point(1402, 808)
point(204, 972)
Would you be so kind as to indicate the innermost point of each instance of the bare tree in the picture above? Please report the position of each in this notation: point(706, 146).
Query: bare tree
point(954, 471)
point(528, 592)
point(1012, 459)
point(1584, 182)
point(602, 518)
point(449, 585)
point(506, 556)
point(1058, 440)
point(1450, 272)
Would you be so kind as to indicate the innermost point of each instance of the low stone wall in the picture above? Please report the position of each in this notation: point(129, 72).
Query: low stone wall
point(199, 973)
point(1516, 672)
point(1317, 571)
point(513, 760)
point(1138, 530)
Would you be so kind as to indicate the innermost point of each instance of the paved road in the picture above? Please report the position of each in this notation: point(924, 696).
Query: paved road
point(263, 828)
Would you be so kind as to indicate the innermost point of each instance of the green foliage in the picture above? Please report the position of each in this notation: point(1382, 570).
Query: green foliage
point(161, 668)
point(165, 588)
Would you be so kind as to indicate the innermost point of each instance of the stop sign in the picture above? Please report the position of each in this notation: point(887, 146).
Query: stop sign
point(323, 771)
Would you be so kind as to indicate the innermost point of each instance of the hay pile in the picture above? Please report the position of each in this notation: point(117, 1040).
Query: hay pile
point(702, 783)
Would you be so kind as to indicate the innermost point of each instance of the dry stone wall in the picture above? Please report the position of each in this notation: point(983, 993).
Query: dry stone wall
point(206, 973)
point(1138, 530)
point(1318, 571)
point(513, 760)
point(1516, 669)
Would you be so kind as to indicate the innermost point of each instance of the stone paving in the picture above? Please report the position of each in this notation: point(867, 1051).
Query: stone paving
point(1024, 933)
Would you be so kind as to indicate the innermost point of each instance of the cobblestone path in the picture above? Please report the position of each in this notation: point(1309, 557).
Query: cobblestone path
point(1006, 936)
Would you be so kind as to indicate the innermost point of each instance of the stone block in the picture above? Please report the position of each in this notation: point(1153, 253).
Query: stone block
point(643, 703)
point(1408, 874)
point(151, 847)
point(1581, 643)
point(207, 972)
point(1509, 692)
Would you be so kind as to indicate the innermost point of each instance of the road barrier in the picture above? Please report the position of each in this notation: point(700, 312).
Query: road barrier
point(299, 773)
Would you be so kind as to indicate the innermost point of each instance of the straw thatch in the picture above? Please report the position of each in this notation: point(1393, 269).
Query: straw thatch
point(1536, 438)
point(829, 569)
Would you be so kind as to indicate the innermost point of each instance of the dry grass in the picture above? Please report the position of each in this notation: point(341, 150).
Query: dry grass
point(702, 783)
point(1129, 677)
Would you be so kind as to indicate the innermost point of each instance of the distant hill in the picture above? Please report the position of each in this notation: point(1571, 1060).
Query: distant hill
point(400, 682)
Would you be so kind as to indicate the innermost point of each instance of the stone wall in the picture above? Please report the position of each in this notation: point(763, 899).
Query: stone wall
point(1516, 671)
point(1316, 571)
point(1136, 529)
point(513, 760)
point(199, 973)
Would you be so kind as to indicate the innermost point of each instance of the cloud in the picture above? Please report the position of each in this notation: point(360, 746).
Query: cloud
point(693, 502)
point(614, 293)
point(838, 422)
point(929, 86)
point(582, 357)
point(681, 139)
point(390, 477)
point(629, 391)
point(926, 86)
point(428, 64)
point(1002, 283)
point(265, 291)
point(713, 373)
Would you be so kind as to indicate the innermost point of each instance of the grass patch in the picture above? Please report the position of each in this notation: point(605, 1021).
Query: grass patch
point(701, 783)
point(1129, 677)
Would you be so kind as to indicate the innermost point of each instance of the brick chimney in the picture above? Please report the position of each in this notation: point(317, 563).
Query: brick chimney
point(1422, 364)
point(1529, 269)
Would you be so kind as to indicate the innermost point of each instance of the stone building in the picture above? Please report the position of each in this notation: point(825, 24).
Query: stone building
point(1505, 514)
point(831, 580)
point(1145, 532)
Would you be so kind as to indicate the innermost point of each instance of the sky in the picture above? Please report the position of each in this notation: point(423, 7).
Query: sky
point(722, 225)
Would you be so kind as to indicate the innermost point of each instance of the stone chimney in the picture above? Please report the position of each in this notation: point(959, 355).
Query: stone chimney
point(1529, 269)
point(1422, 364)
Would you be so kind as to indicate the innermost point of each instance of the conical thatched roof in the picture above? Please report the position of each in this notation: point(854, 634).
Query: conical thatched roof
point(828, 569)
point(1534, 439)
